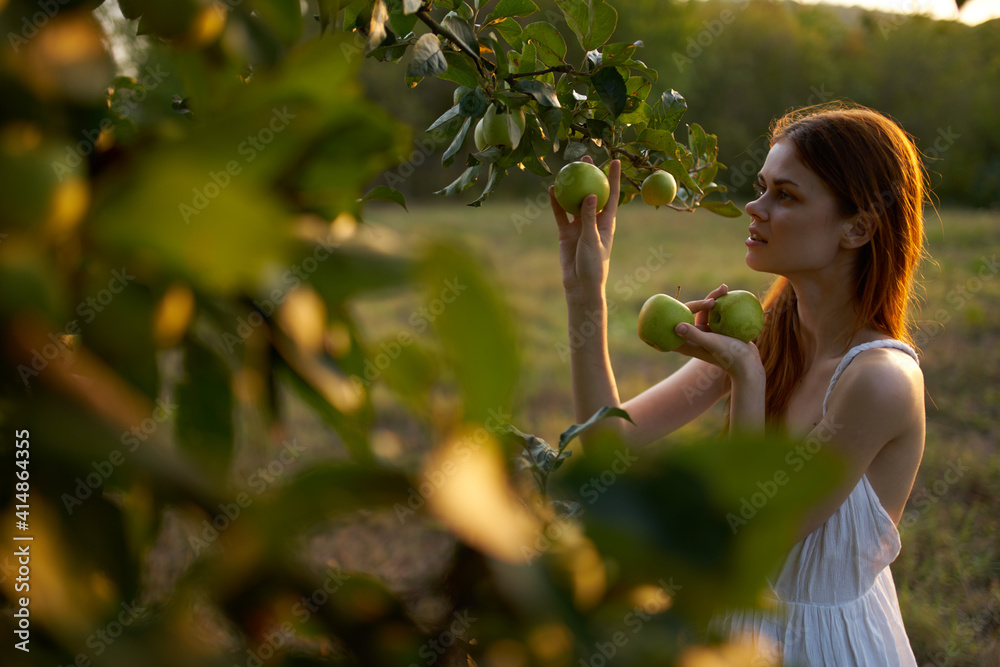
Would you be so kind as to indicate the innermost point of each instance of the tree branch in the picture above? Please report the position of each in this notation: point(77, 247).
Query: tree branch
point(556, 68)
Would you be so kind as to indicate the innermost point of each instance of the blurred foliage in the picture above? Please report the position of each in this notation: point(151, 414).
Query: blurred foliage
point(180, 247)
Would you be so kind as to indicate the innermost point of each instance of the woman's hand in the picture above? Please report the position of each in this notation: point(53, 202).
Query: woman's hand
point(740, 360)
point(585, 241)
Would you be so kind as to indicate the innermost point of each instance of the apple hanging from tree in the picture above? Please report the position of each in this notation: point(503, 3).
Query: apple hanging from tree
point(576, 181)
point(503, 128)
point(478, 136)
point(737, 314)
point(659, 188)
point(657, 320)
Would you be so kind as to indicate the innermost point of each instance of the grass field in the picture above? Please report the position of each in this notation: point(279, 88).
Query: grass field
point(948, 575)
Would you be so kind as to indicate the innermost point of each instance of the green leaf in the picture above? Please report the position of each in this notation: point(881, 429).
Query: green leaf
point(493, 177)
point(452, 113)
point(618, 53)
point(204, 421)
point(593, 21)
point(507, 8)
point(552, 120)
point(386, 194)
point(550, 46)
point(473, 103)
point(544, 93)
point(672, 106)
point(353, 428)
point(402, 21)
point(348, 271)
point(428, 60)
point(697, 141)
point(574, 151)
point(510, 30)
point(727, 210)
point(528, 60)
point(456, 144)
point(474, 326)
point(463, 182)
point(610, 87)
point(463, 30)
point(461, 70)
point(680, 172)
point(658, 140)
point(283, 17)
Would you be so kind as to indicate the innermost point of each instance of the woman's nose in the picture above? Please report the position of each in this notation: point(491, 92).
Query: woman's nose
point(755, 209)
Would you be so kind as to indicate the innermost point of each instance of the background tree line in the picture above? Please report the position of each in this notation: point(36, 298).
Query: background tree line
point(741, 63)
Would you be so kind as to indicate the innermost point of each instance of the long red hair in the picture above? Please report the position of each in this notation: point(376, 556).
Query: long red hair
point(872, 167)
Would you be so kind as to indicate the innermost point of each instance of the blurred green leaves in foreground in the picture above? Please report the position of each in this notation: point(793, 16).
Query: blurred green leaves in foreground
point(180, 251)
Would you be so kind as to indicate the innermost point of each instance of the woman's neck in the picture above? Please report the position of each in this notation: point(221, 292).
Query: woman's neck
point(826, 314)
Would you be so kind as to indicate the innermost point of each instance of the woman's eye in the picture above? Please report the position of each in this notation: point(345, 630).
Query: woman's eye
point(784, 194)
point(759, 189)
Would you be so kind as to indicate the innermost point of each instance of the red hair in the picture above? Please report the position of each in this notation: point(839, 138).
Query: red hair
point(873, 168)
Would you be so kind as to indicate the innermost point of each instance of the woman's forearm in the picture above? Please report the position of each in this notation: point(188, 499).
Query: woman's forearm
point(746, 407)
point(590, 364)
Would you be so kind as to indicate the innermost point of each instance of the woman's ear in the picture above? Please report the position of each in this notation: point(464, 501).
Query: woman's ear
point(856, 232)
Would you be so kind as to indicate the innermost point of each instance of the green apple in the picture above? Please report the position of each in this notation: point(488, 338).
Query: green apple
point(657, 320)
point(478, 136)
point(737, 314)
point(497, 127)
point(576, 181)
point(659, 188)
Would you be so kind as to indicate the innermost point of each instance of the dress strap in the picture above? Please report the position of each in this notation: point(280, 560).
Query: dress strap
point(855, 351)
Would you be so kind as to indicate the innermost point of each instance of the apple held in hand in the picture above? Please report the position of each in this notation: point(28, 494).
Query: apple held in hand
point(737, 314)
point(659, 189)
point(576, 181)
point(657, 319)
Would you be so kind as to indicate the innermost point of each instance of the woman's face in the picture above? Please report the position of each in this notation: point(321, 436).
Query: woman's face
point(795, 223)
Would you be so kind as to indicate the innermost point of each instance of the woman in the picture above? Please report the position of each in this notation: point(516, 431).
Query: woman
point(838, 219)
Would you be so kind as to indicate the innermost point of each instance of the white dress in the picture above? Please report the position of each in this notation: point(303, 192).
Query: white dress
point(834, 589)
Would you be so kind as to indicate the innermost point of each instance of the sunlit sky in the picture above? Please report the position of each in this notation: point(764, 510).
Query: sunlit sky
point(973, 11)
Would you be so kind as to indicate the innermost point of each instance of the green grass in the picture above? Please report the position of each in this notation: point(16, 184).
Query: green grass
point(948, 575)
